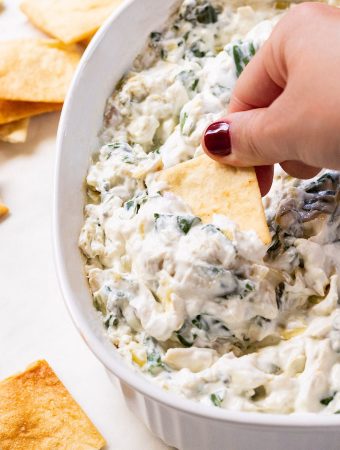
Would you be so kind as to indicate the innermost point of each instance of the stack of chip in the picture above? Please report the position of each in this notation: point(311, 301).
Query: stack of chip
point(36, 73)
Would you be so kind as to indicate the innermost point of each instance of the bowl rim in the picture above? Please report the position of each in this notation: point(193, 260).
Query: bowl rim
point(118, 366)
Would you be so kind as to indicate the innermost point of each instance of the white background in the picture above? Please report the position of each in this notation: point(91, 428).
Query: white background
point(34, 323)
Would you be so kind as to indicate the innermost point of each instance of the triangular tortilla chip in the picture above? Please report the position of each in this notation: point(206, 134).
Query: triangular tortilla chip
point(212, 188)
point(38, 413)
point(36, 70)
point(69, 20)
point(14, 132)
point(11, 110)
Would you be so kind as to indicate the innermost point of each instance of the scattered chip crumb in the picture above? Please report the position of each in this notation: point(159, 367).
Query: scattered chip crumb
point(38, 413)
point(3, 210)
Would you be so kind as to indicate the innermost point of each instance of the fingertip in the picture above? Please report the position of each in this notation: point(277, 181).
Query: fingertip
point(265, 175)
point(216, 139)
point(299, 169)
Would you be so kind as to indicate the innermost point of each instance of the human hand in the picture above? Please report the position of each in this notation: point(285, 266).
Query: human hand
point(285, 107)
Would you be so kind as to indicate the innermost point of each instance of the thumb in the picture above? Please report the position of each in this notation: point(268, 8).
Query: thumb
point(257, 137)
point(247, 138)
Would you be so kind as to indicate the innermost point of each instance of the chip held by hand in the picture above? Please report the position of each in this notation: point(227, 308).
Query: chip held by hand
point(209, 188)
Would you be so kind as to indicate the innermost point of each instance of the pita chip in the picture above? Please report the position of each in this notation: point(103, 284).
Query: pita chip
point(209, 188)
point(69, 20)
point(13, 110)
point(37, 412)
point(36, 70)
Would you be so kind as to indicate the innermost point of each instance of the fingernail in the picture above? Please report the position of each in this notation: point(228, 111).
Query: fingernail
point(217, 139)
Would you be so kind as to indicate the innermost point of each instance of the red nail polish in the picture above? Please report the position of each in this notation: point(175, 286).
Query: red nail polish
point(217, 139)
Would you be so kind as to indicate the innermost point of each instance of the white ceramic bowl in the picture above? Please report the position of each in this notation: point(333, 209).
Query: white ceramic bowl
point(179, 422)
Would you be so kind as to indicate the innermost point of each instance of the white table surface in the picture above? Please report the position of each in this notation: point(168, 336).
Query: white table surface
point(34, 323)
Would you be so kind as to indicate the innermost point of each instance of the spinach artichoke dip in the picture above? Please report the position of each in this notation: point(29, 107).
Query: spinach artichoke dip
point(204, 310)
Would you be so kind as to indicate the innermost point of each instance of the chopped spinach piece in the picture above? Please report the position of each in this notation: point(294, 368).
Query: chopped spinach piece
point(246, 289)
point(185, 223)
point(249, 287)
point(189, 80)
point(129, 204)
point(99, 304)
point(183, 120)
point(124, 151)
point(278, 294)
point(252, 49)
point(260, 320)
point(218, 330)
point(136, 202)
point(212, 271)
point(242, 53)
point(217, 399)
point(337, 412)
point(239, 58)
point(326, 401)
point(194, 84)
point(117, 144)
point(203, 12)
point(127, 159)
point(185, 335)
point(200, 322)
point(214, 328)
point(206, 329)
point(210, 228)
point(155, 296)
point(197, 51)
point(100, 299)
point(183, 341)
point(164, 54)
point(111, 321)
point(155, 36)
point(206, 14)
point(154, 361)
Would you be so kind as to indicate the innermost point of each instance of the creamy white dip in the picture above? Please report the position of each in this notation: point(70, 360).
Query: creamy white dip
point(224, 321)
